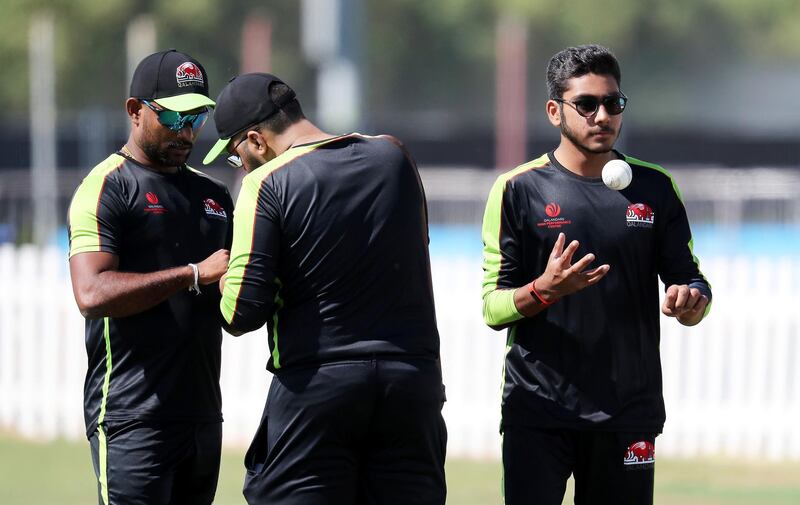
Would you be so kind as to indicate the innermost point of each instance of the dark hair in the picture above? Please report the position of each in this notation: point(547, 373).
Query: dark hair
point(287, 115)
point(576, 62)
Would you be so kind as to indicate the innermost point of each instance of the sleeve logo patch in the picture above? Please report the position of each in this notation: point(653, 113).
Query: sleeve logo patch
point(640, 215)
point(214, 210)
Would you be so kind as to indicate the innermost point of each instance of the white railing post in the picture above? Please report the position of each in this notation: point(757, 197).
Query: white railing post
point(731, 384)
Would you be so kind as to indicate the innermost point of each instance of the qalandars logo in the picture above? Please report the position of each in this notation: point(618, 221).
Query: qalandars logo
point(640, 215)
point(640, 455)
point(215, 210)
point(153, 204)
point(553, 219)
point(189, 74)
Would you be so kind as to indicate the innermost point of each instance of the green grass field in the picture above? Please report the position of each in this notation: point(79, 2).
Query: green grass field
point(60, 473)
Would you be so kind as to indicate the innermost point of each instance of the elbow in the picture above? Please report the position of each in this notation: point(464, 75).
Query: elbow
point(241, 327)
point(89, 304)
point(499, 309)
point(490, 319)
point(241, 315)
point(494, 324)
point(241, 323)
point(236, 332)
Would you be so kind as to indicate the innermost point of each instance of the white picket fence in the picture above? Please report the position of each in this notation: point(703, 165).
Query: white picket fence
point(732, 384)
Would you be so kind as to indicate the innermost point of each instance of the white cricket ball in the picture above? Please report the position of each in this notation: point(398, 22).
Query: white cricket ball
point(617, 174)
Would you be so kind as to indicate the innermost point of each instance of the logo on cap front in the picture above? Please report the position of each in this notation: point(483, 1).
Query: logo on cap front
point(189, 74)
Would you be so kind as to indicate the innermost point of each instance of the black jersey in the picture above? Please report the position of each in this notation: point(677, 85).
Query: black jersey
point(163, 363)
point(331, 251)
point(592, 359)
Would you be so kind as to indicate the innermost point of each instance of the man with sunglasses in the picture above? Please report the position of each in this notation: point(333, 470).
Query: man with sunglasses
point(149, 239)
point(330, 250)
point(571, 269)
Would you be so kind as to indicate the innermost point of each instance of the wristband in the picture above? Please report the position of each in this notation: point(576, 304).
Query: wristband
point(538, 296)
point(195, 287)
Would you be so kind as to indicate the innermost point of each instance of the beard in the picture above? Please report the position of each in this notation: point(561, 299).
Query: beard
point(567, 132)
point(166, 157)
point(250, 163)
point(155, 146)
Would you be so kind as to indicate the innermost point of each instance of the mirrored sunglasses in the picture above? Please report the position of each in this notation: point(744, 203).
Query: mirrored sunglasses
point(176, 121)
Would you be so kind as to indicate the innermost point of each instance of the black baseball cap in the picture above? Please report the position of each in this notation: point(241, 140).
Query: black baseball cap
point(173, 80)
point(242, 103)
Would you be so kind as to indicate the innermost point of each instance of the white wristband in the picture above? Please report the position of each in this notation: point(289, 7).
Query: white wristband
point(195, 288)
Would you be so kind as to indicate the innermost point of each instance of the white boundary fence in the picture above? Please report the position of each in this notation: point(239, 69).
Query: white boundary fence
point(732, 384)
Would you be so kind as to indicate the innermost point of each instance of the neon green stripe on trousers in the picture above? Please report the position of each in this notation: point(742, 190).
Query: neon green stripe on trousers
point(101, 435)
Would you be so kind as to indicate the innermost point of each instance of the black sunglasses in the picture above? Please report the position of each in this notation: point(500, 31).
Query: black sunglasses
point(588, 105)
point(176, 121)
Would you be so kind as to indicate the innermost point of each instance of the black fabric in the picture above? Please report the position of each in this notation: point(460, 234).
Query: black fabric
point(338, 265)
point(157, 464)
point(538, 462)
point(591, 360)
point(165, 361)
point(168, 73)
point(245, 102)
point(351, 432)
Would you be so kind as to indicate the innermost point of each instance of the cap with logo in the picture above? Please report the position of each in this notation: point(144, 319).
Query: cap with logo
point(173, 80)
point(244, 102)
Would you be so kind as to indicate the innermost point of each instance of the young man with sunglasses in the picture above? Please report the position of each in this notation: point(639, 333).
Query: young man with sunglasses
point(330, 250)
point(571, 269)
point(149, 239)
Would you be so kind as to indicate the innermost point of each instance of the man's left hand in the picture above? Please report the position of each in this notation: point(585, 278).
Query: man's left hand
point(686, 304)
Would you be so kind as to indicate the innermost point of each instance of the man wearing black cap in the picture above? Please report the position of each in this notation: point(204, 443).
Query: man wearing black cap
point(147, 235)
point(330, 250)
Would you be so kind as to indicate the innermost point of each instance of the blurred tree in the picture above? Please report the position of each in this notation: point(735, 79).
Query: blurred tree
point(419, 56)
point(90, 43)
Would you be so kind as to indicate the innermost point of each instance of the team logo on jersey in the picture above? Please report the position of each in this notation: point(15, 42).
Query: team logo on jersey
point(153, 204)
point(215, 210)
point(640, 215)
point(640, 455)
point(189, 74)
point(553, 210)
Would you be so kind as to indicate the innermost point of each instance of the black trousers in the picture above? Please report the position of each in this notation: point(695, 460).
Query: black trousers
point(143, 463)
point(355, 432)
point(610, 468)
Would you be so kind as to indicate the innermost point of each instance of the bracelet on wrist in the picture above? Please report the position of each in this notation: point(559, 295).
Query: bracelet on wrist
point(195, 287)
point(538, 296)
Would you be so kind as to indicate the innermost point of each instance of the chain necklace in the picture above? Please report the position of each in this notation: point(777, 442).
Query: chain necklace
point(127, 152)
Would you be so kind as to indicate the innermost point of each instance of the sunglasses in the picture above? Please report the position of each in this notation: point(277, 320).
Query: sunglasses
point(176, 121)
point(234, 160)
point(588, 105)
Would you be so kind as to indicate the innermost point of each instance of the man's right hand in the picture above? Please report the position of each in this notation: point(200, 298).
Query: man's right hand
point(561, 277)
point(214, 267)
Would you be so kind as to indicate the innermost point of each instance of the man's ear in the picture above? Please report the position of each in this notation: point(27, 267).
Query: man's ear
point(134, 109)
point(553, 110)
point(257, 140)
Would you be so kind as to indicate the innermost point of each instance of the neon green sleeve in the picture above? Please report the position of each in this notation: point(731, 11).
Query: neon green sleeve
point(498, 304)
